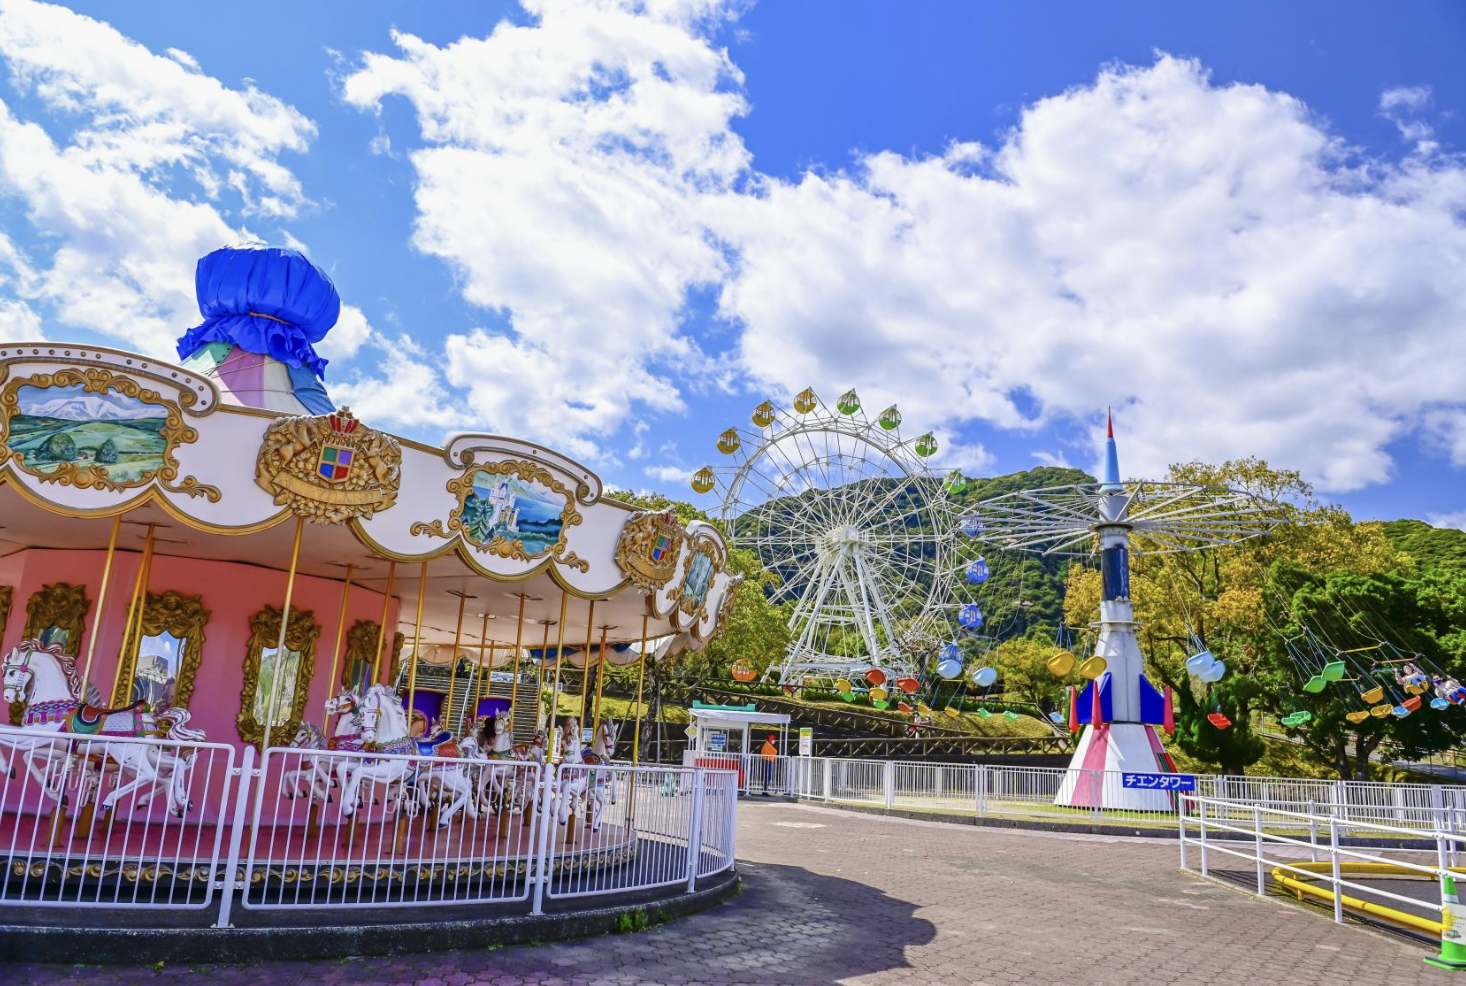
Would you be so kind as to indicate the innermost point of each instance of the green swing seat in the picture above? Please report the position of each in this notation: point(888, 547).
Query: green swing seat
point(1334, 671)
point(1315, 684)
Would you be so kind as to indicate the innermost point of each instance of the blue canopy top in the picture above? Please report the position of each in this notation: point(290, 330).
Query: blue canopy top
point(264, 300)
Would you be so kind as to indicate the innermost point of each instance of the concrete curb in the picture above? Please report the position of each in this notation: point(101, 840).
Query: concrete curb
point(91, 941)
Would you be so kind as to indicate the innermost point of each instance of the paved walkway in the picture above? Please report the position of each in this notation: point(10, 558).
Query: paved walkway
point(834, 896)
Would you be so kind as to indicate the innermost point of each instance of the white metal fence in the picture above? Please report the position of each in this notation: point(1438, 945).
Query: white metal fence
point(1051, 794)
point(120, 823)
point(1225, 833)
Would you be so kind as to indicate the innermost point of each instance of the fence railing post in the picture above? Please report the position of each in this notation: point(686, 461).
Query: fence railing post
point(1334, 853)
point(829, 770)
point(540, 840)
point(694, 833)
point(1181, 826)
point(1257, 848)
point(1313, 829)
point(890, 784)
point(224, 880)
point(1205, 867)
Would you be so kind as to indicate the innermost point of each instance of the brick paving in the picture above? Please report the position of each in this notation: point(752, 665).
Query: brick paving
point(835, 896)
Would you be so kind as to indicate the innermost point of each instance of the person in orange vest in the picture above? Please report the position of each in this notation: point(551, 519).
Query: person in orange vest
point(770, 753)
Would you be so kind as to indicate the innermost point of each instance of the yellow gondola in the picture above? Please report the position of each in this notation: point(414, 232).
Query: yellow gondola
point(1093, 667)
point(1062, 663)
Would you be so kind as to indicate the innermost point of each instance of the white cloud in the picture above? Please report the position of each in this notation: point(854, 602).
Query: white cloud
point(351, 332)
point(1402, 106)
point(679, 475)
point(564, 172)
point(1456, 519)
point(1211, 258)
point(1199, 253)
point(126, 196)
point(409, 392)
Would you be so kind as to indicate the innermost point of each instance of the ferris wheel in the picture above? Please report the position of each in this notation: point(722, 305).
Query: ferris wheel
point(858, 527)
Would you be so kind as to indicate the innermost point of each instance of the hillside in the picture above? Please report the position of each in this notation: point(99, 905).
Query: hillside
point(1431, 547)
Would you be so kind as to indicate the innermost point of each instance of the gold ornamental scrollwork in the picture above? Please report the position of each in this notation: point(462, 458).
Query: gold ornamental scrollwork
point(185, 618)
point(329, 468)
point(7, 596)
point(361, 653)
point(59, 606)
point(648, 547)
point(264, 632)
point(97, 432)
point(492, 523)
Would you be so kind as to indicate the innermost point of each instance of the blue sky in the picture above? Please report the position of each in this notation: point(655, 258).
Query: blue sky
point(617, 228)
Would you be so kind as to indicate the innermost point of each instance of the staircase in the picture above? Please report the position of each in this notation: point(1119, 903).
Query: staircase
point(436, 678)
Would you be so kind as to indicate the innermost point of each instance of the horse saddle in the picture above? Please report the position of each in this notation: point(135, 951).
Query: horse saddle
point(441, 745)
point(125, 720)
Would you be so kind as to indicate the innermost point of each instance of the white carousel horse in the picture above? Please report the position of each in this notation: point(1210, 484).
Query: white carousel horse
point(46, 680)
point(384, 730)
point(345, 737)
point(582, 786)
point(531, 757)
point(497, 776)
point(444, 782)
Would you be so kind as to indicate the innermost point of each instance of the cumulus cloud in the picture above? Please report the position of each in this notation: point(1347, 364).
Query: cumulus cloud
point(1209, 258)
point(563, 173)
point(408, 391)
point(148, 156)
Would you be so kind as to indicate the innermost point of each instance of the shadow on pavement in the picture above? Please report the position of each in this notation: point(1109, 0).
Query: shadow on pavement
point(788, 926)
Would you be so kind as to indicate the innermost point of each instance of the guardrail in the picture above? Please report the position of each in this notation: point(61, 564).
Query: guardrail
point(1256, 835)
point(148, 823)
point(1049, 794)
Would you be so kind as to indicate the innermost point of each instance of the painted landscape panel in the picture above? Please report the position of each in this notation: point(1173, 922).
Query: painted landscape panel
point(699, 577)
point(503, 505)
point(120, 435)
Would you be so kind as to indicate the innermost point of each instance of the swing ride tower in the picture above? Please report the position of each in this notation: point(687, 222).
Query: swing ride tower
point(1119, 708)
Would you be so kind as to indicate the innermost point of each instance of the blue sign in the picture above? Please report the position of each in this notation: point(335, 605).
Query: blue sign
point(1161, 782)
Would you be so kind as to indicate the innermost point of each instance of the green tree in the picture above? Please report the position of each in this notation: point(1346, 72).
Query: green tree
point(1023, 662)
point(59, 448)
point(107, 454)
point(1348, 612)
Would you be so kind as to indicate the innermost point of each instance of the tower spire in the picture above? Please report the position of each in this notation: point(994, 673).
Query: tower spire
point(1112, 458)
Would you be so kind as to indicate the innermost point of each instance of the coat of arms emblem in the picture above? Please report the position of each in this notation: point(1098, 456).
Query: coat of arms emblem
point(329, 468)
point(648, 548)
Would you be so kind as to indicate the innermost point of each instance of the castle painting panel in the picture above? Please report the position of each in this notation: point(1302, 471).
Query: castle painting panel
point(502, 505)
point(699, 578)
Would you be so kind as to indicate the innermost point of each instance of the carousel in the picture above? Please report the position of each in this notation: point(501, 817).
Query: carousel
point(260, 654)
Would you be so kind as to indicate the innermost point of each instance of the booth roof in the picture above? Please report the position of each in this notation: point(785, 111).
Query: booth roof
point(738, 718)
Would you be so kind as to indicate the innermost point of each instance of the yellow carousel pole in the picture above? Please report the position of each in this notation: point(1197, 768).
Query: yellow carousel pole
point(514, 667)
point(640, 680)
point(280, 641)
point(86, 674)
point(559, 660)
point(478, 685)
point(600, 683)
point(453, 674)
point(636, 730)
point(134, 620)
point(331, 683)
point(382, 626)
point(422, 591)
point(585, 672)
point(540, 679)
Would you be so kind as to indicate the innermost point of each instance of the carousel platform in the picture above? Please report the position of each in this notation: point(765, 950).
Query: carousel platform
point(362, 863)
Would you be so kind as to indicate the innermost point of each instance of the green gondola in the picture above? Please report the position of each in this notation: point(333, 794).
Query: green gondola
point(1315, 684)
point(848, 403)
point(1334, 671)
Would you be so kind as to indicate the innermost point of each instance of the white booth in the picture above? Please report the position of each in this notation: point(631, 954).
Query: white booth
point(731, 737)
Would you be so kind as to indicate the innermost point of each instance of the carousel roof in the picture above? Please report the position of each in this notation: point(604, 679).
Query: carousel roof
point(221, 454)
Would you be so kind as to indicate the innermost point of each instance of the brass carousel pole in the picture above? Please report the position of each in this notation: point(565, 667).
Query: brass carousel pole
point(559, 660)
point(453, 674)
point(585, 671)
point(539, 721)
point(422, 591)
point(478, 684)
point(275, 676)
point(514, 667)
point(640, 680)
point(600, 683)
point(331, 683)
point(636, 730)
point(382, 626)
point(86, 674)
point(134, 617)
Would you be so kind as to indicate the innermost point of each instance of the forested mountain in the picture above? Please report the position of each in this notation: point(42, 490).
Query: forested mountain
point(1431, 547)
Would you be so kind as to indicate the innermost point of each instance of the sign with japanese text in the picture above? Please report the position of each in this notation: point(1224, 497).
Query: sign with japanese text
point(1161, 782)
